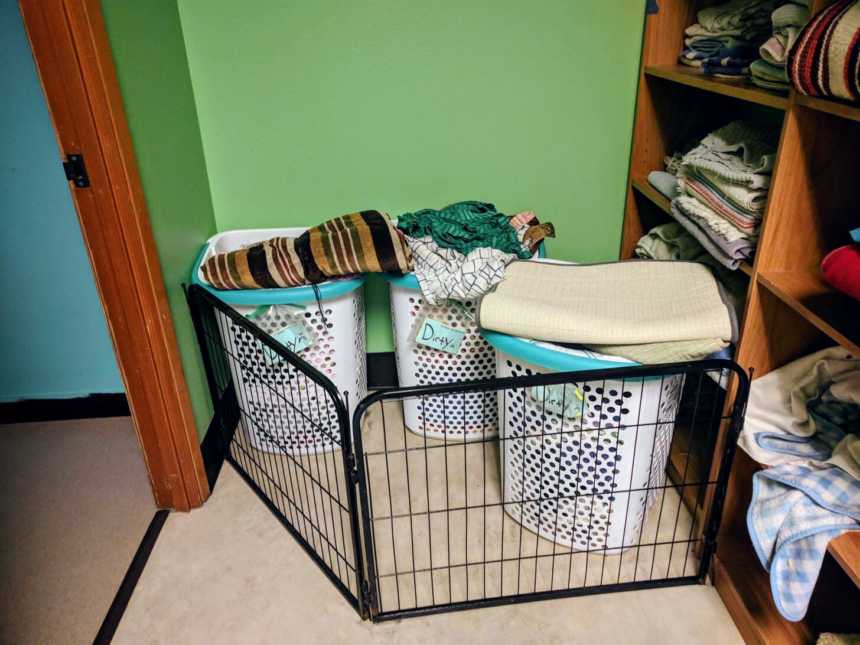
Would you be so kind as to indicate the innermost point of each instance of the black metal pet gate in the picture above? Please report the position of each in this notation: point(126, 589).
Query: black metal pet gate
point(595, 482)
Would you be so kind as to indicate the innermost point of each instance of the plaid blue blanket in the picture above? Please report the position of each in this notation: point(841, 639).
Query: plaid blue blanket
point(796, 509)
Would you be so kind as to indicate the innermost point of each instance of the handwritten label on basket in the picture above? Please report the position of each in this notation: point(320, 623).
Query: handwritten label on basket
point(437, 335)
point(294, 337)
point(563, 399)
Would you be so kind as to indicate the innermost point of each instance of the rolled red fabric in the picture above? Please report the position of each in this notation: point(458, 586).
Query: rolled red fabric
point(841, 269)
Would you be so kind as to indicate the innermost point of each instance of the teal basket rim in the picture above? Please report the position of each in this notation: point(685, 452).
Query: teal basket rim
point(292, 296)
point(409, 281)
point(538, 354)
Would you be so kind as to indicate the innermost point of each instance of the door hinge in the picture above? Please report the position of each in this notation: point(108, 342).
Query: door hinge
point(76, 171)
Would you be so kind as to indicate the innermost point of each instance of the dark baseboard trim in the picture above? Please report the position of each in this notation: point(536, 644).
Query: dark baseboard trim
point(381, 370)
point(86, 407)
point(129, 582)
point(213, 450)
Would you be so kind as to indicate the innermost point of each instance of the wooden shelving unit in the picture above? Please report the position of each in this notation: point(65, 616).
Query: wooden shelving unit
point(814, 200)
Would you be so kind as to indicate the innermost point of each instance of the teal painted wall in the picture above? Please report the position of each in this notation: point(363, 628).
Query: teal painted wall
point(149, 53)
point(311, 109)
point(54, 341)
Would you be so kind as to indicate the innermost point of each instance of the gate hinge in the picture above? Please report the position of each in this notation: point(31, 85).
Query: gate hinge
point(353, 468)
point(76, 171)
point(368, 597)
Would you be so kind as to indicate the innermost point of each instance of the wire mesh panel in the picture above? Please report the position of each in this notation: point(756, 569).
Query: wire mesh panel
point(595, 483)
point(311, 491)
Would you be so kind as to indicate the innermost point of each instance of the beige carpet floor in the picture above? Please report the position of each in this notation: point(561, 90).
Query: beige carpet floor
point(75, 502)
point(230, 573)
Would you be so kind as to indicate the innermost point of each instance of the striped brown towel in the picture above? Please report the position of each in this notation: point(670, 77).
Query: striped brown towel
point(825, 60)
point(364, 242)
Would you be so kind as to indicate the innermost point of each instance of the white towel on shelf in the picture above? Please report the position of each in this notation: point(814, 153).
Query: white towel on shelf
point(778, 400)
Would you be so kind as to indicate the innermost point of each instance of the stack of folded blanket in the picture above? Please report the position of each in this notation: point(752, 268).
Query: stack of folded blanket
point(722, 185)
point(649, 312)
point(769, 70)
point(726, 37)
point(824, 61)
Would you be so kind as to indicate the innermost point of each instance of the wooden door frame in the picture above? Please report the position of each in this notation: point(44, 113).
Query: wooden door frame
point(76, 69)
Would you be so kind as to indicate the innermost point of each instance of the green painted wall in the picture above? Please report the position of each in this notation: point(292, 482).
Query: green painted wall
point(311, 109)
point(149, 52)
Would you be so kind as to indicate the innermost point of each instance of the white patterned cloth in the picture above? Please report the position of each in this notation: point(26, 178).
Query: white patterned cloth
point(446, 274)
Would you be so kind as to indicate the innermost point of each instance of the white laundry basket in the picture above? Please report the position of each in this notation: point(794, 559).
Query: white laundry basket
point(283, 410)
point(585, 482)
point(468, 417)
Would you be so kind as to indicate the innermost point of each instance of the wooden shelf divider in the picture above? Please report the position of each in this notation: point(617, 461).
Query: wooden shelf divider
point(740, 89)
point(834, 314)
point(846, 551)
point(836, 108)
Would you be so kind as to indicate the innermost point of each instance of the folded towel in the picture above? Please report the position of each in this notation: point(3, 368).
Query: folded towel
point(769, 85)
point(728, 254)
point(620, 303)
point(726, 70)
point(768, 72)
point(754, 146)
point(665, 182)
point(736, 14)
point(754, 32)
point(787, 22)
point(717, 203)
point(711, 45)
point(778, 400)
point(738, 153)
point(824, 61)
point(748, 201)
point(717, 225)
point(669, 242)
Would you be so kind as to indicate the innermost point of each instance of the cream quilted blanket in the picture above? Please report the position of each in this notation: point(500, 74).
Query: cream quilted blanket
point(618, 303)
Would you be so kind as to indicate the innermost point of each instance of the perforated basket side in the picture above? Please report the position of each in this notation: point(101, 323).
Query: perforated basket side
point(471, 416)
point(582, 483)
point(286, 411)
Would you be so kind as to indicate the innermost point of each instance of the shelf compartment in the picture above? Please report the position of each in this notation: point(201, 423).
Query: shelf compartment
point(831, 312)
point(740, 89)
point(836, 108)
point(744, 587)
point(644, 188)
point(846, 551)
